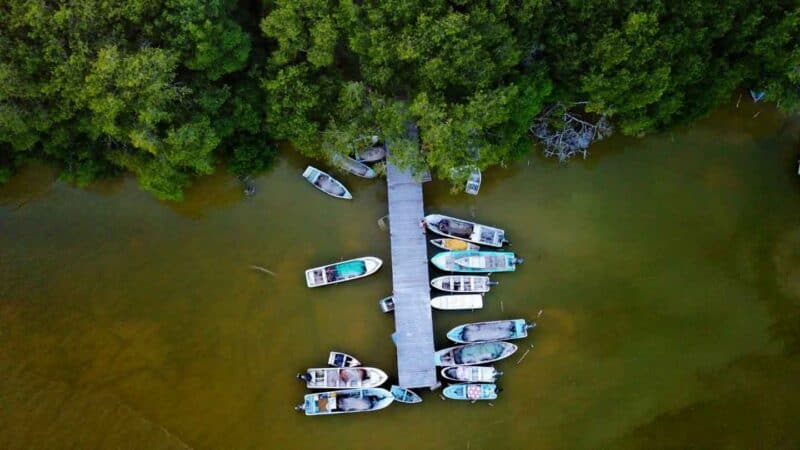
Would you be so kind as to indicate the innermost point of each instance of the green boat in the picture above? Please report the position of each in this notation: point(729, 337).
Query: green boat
point(490, 331)
point(471, 261)
point(472, 391)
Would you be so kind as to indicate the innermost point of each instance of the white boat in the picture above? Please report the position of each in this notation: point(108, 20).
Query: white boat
point(342, 271)
point(326, 183)
point(474, 354)
point(343, 377)
point(471, 374)
point(455, 302)
point(341, 359)
point(386, 304)
point(463, 283)
point(474, 182)
point(357, 168)
point(346, 401)
point(372, 154)
point(466, 230)
point(450, 244)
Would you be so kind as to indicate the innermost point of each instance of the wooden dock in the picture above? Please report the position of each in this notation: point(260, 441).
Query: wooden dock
point(412, 315)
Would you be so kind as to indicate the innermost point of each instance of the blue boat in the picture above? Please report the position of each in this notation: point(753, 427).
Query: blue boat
point(342, 271)
point(472, 391)
point(498, 330)
point(472, 354)
point(472, 261)
point(404, 395)
point(345, 401)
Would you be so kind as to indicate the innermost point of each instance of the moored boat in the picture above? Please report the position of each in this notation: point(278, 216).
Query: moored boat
point(473, 182)
point(341, 359)
point(326, 183)
point(372, 154)
point(404, 395)
point(356, 168)
point(343, 377)
point(346, 401)
point(451, 244)
point(471, 374)
point(466, 230)
point(471, 391)
point(455, 302)
point(463, 283)
point(496, 330)
point(342, 271)
point(470, 261)
point(386, 304)
point(472, 354)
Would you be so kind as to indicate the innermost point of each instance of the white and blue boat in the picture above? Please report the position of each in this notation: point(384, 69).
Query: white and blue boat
point(472, 391)
point(342, 271)
point(404, 395)
point(471, 261)
point(471, 374)
point(343, 377)
point(345, 402)
point(473, 354)
point(497, 330)
point(465, 230)
point(326, 183)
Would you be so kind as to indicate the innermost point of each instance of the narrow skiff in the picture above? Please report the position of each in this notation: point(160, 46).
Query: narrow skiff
point(474, 182)
point(326, 183)
point(497, 330)
point(404, 395)
point(343, 378)
point(372, 154)
point(463, 283)
point(466, 230)
point(470, 261)
point(472, 392)
point(341, 359)
point(342, 271)
point(357, 168)
point(450, 244)
point(472, 354)
point(386, 304)
point(344, 402)
point(471, 374)
point(455, 302)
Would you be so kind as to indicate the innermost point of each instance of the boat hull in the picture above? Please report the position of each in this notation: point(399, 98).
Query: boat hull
point(326, 183)
point(354, 167)
point(474, 354)
point(465, 230)
point(451, 244)
point(346, 401)
point(457, 302)
point(372, 154)
point(471, 391)
point(470, 261)
point(340, 272)
point(498, 330)
point(471, 374)
point(404, 395)
point(343, 378)
point(462, 284)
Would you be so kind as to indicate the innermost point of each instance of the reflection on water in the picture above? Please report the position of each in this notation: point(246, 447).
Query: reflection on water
point(666, 269)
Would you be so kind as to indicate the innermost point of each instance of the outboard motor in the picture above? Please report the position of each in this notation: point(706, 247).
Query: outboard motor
point(530, 325)
point(304, 376)
point(518, 260)
point(493, 283)
point(498, 389)
point(300, 407)
point(499, 374)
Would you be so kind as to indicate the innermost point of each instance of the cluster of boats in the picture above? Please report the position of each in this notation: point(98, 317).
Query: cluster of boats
point(353, 388)
point(356, 166)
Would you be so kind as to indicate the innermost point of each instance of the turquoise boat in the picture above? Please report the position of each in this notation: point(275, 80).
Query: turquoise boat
point(404, 395)
point(472, 261)
point(472, 354)
point(497, 330)
point(342, 271)
point(472, 391)
point(346, 401)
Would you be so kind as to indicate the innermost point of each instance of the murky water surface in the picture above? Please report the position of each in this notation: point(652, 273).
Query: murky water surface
point(667, 270)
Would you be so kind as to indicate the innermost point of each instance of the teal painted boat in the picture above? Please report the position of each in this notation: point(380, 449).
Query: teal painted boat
point(497, 330)
point(345, 402)
point(472, 391)
point(342, 271)
point(404, 395)
point(471, 261)
point(472, 354)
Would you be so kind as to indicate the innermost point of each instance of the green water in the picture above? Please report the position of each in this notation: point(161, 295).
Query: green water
point(667, 270)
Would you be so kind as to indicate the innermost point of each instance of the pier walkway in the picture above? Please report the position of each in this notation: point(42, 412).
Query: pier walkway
point(412, 315)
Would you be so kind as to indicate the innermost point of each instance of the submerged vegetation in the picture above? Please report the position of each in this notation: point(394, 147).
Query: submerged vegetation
point(168, 89)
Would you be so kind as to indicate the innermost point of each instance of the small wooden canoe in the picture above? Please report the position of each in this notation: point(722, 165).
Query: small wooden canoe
point(386, 304)
point(471, 391)
point(343, 377)
point(456, 302)
point(473, 354)
point(342, 271)
point(404, 395)
point(346, 401)
point(326, 183)
point(454, 244)
point(341, 359)
point(497, 330)
point(466, 230)
point(463, 283)
point(471, 374)
point(471, 261)
point(357, 168)
point(372, 154)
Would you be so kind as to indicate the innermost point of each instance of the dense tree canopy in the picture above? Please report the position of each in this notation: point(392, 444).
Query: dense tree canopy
point(167, 89)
